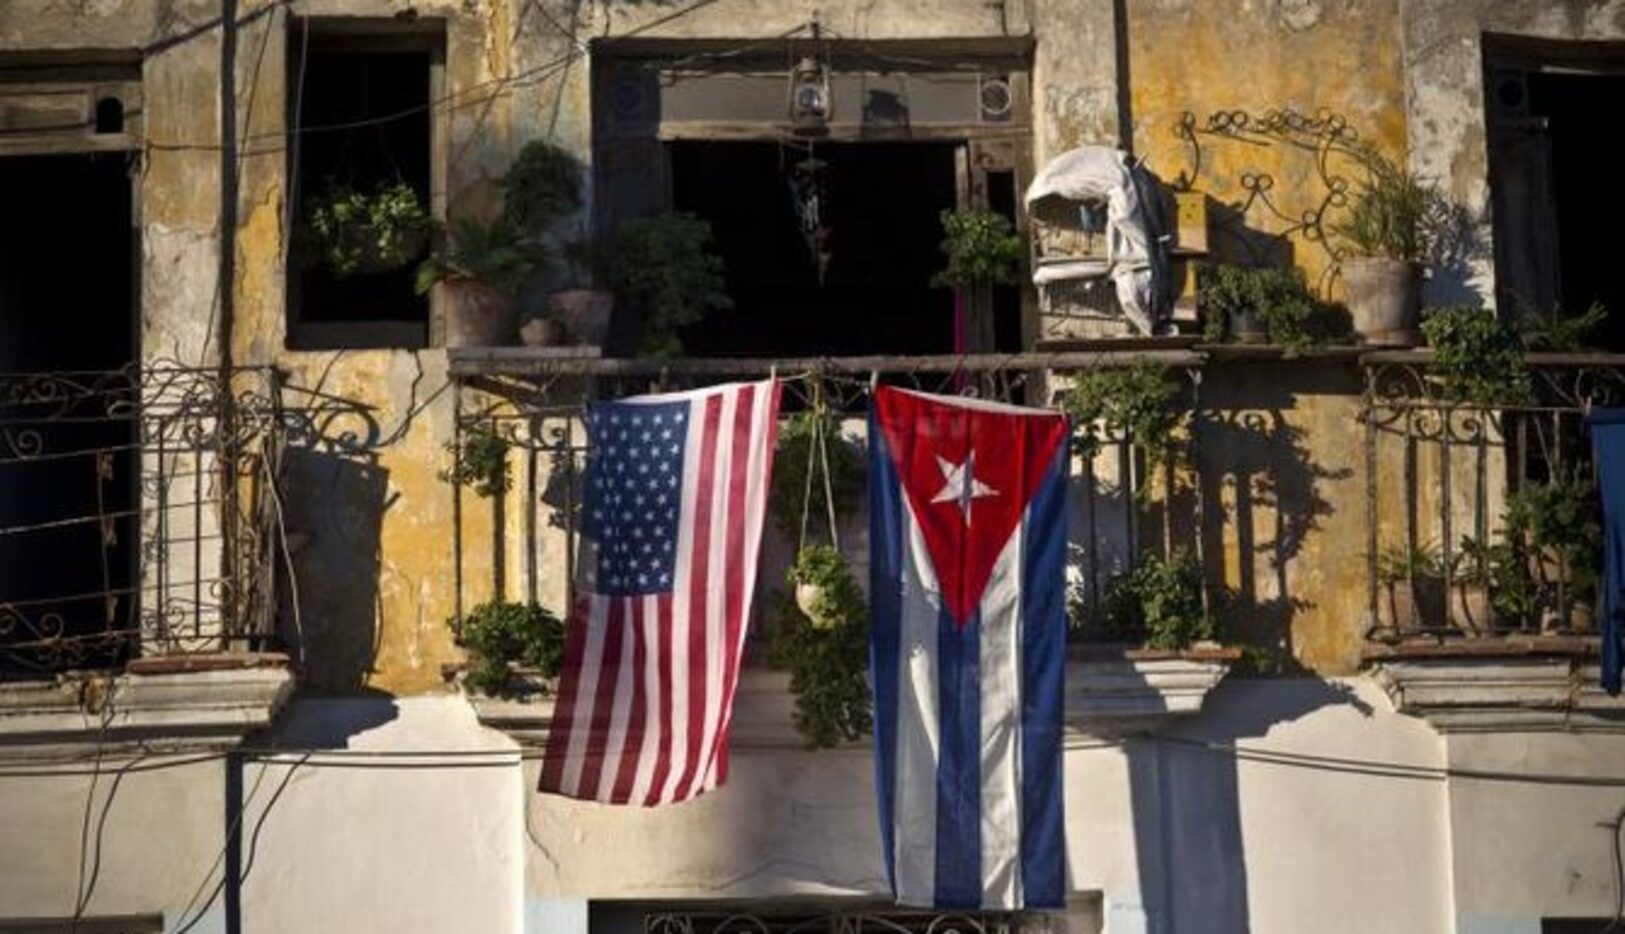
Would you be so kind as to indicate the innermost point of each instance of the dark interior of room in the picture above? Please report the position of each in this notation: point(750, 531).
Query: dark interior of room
point(66, 306)
point(378, 100)
point(881, 205)
point(1590, 205)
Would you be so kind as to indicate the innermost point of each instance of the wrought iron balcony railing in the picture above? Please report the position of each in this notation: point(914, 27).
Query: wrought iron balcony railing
point(137, 510)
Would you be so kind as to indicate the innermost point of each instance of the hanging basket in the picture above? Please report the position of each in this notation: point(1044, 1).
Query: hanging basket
point(367, 232)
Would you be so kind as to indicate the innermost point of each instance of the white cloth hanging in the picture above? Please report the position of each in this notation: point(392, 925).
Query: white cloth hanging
point(1135, 230)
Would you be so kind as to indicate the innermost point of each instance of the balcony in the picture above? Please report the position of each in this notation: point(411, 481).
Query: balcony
point(138, 554)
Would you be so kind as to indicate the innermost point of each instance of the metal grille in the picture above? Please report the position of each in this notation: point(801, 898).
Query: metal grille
point(136, 508)
point(854, 922)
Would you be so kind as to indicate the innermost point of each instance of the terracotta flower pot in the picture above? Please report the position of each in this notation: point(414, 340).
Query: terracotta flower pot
point(478, 315)
point(1413, 606)
point(540, 332)
point(584, 313)
point(1384, 299)
point(1470, 609)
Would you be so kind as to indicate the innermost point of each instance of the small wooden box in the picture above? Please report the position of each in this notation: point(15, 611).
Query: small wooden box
point(1190, 222)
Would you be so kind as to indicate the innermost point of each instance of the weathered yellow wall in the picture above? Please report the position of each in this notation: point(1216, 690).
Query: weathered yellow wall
point(1308, 56)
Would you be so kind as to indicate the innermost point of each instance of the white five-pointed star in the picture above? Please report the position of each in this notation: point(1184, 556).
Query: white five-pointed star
point(960, 485)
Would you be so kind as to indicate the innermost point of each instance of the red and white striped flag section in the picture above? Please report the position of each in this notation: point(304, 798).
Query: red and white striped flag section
point(671, 529)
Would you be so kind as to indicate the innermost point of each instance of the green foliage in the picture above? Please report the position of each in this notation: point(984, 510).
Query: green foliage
point(981, 247)
point(497, 254)
point(499, 635)
point(1279, 297)
point(481, 463)
point(1477, 358)
point(1161, 601)
point(1394, 214)
point(1405, 562)
point(1559, 519)
point(792, 464)
point(1557, 331)
point(828, 659)
point(1138, 401)
point(376, 230)
point(666, 265)
point(542, 185)
point(1501, 568)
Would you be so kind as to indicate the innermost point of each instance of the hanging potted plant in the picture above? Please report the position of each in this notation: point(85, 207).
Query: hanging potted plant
point(667, 273)
point(482, 267)
point(826, 648)
point(362, 231)
point(1388, 231)
point(982, 249)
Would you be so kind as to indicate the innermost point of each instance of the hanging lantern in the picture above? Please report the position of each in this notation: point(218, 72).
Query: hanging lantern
point(809, 96)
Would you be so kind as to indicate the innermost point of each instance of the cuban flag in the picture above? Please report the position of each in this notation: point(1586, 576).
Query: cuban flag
point(968, 545)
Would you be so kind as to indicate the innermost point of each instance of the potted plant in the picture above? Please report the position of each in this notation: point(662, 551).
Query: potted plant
point(667, 273)
point(1256, 305)
point(357, 232)
point(1477, 358)
point(826, 649)
point(1413, 578)
point(1159, 601)
point(513, 647)
point(982, 249)
point(1388, 231)
point(482, 267)
point(1557, 527)
point(542, 187)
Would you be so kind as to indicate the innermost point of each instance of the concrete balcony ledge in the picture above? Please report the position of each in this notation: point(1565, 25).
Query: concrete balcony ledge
point(1522, 683)
point(200, 703)
point(1109, 691)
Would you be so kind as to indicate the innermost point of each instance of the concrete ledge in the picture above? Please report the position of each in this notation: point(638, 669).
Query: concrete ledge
point(209, 707)
point(1109, 694)
point(1480, 692)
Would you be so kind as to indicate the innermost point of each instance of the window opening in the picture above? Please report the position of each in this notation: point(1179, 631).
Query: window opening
point(829, 248)
point(361, 177)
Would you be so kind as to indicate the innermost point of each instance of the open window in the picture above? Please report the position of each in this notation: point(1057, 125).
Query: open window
point(823, 169)
point(1556, 214)
point(365, 182)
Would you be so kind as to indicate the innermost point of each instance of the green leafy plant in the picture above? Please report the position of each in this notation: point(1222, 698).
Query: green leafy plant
point(666, 266)
point(480, 462)
point(367, 231)
point(542, 185)
point(1406, 562)
point(1394, 214)
point(1160, 600)
point(1557, 522)
point(1280, 298)
point(828, 657)
point(982, 249)
point(497, 254)
point(1557, 331)
point(1500, 567)
point(1138, 402)
point(500, 635)
point(1477, 357)
point(792, 465)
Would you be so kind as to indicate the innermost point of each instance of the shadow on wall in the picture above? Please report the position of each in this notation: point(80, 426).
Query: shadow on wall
point(335, 515)
point(1186, 806)
point(1263, 493)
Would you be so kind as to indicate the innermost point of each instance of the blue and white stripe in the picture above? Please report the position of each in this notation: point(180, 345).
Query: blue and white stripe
point(968, 719)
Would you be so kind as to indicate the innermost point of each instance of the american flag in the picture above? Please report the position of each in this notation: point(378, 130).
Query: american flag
point(673, 509)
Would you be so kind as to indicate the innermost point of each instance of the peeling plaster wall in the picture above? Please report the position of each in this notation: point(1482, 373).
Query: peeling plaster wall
point(1444, 101)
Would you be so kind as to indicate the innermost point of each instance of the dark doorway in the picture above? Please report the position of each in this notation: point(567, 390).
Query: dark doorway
point(67, 464)
point(880, 205)
point(1551, 153)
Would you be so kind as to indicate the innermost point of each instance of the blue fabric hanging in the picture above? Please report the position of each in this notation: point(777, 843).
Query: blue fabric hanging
point(1608, 447)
